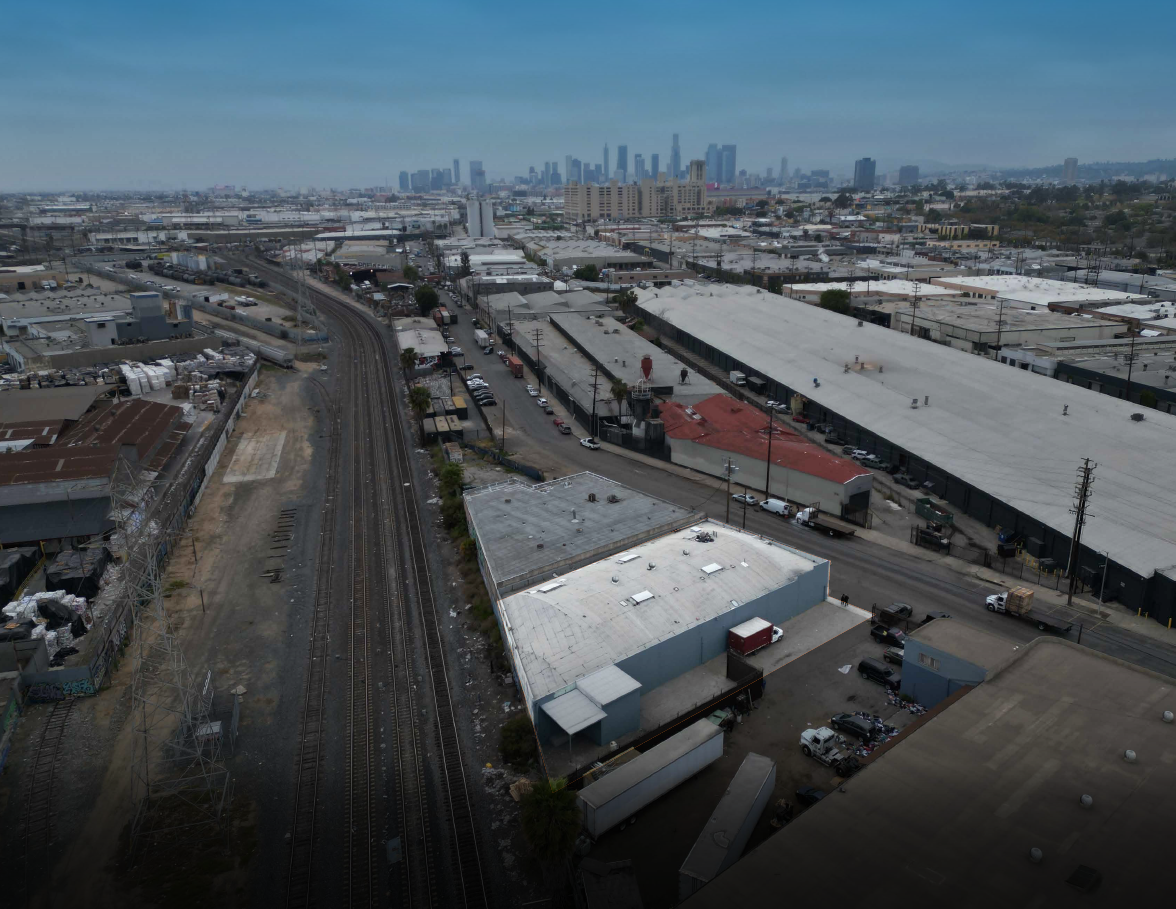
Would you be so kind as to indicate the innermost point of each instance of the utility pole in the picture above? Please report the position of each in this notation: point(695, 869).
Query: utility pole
point(502, 437)
point(730, 470)
point(1130, 366)
point(1082, 492)
point(768, 472)
point(595, 380)
point(999, 322)
point(537, 336)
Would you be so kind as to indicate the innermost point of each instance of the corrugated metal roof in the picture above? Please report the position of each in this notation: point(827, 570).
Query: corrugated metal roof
point(573, 712)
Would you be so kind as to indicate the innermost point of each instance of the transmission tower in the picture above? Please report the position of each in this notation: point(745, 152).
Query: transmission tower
point(1082, 492)
point(179, 783)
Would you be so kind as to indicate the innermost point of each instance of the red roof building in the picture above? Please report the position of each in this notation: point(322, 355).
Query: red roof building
point(705, 435)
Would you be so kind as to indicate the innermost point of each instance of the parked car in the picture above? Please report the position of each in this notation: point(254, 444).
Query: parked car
point(874, 671)
point(745, 499)
point(809, 795)
point(906, 480)
point(488, 402)
point(542, 402)
point(775, 506)
point(466, 366)
point(854, 725)
point(848, 449)
point(476, 375)
point(858, 453)
point(833, 439)
point(801, 418)
point(549, 410)
point(893, 655)
point(590, 442)
point(565, 429)
point(455, 351)
point(903, 610)
point(873, 462)
point(891, 637)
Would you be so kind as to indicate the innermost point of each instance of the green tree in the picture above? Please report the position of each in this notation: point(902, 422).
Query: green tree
point(516, 742)
point(551, 820)
point(586, 273)
point(450, 479)
point(625, 298)
point(843, 200)
point(426, 299)
point(412, 273)
point(1147, 398)
point(465, 270)
point(835, 300)
point(618, 390)
point(419, 400)
point(639, 325)
point(408, 358)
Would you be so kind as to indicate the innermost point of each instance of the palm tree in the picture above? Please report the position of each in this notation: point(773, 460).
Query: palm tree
point(408, 360)
point(619, 390)
point(551, 820)
point(419, 400)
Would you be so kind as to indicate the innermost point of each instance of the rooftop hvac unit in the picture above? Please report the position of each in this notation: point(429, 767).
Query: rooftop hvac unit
point(914, 403)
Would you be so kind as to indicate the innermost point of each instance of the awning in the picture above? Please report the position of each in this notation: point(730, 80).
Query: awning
point(573, 711)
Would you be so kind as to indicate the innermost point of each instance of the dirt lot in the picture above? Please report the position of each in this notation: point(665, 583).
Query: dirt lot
point(800, 695)
point(249, 632)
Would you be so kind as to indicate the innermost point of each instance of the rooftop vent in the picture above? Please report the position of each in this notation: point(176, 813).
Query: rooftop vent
point(1137, 417)
point(552, 585)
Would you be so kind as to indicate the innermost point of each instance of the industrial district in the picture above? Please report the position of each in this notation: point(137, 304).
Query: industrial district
point(649, 532)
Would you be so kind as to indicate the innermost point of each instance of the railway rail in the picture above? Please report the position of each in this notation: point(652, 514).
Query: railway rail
point(432, 851)
point(37, 834)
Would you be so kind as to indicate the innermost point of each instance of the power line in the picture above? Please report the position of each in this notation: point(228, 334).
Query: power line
point(1082, 493)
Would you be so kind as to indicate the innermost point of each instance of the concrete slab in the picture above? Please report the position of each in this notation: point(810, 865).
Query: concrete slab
point(256, 457)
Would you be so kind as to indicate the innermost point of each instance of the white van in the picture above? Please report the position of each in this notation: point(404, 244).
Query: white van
point(775, 506)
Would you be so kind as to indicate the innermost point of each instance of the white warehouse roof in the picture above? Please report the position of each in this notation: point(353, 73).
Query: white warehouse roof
point(1039, 291)
point(1000, 429)
point(564, 629)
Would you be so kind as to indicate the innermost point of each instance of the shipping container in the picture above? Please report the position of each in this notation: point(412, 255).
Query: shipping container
point(756, 384)
point(516, 366)
point(481, 338)
point(628, 789)
point(725, 835)
point(750, 636)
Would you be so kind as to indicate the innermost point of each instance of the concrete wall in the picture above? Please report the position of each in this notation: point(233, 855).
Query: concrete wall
point(928, 685)
point(152, 350)
point(624, 716)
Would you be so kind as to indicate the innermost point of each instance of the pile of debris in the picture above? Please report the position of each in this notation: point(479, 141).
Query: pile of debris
point(883, 733)
point(60, 618)
point(909, 706)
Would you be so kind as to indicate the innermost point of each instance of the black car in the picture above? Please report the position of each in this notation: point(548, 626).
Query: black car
point(809, 795)
point(834, 439)
point(902, 610)
point(854, 725)
point(891, 637)
point(466, 366)
point(488, 402)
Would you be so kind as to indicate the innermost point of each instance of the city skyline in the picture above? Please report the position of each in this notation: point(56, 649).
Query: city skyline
point(257, 95)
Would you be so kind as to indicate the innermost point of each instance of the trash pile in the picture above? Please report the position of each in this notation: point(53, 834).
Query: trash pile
point(883, 733)
point(76, 572)
point(59, 618)
point(909, 706)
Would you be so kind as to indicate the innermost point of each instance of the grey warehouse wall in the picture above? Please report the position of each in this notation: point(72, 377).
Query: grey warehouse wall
point(930, 686)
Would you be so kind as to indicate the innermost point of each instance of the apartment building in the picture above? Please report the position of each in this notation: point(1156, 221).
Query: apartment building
point(653, 198)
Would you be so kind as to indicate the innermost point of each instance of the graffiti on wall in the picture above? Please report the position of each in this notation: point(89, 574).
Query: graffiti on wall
point(59, 691)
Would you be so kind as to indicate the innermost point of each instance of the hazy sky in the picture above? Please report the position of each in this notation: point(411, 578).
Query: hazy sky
point(136, 94)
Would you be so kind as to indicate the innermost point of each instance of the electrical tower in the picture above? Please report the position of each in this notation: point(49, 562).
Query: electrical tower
point(179, 784)
point(1082, 492)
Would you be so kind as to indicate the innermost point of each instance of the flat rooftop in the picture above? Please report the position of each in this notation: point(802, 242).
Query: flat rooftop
point(526, 531)
point(49, 404)
point(964, 797)
point(894, 287)
point(968, 642)
point(976, 316)
point(566, 627)
point(1024, 456)
point(1026, 289)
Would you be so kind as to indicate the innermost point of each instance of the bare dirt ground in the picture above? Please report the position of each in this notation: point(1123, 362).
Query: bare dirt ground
point(246, 630)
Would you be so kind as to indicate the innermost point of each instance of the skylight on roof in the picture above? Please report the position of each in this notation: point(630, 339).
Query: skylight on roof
point(712, 568)
point(628, 557)
point(552, 585)
point(642, 596)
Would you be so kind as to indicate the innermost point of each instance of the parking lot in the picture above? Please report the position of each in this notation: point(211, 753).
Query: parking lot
point(800, 695)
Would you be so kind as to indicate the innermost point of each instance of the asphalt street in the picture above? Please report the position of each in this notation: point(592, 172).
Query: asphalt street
point(868, 572)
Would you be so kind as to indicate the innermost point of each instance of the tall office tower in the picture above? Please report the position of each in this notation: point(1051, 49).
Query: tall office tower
point(783, 170)
point(714, 164)
point(697, 171)
point(575, 171)
point(623, 161)
point(908, 175)
point(729, 164)
point(446, 177)
point(546, 173)
point(456, 171)
point(654, 164)
point(477, 177)
point(555, 178)
point(607, 171)
point(675, 159)
point(404, 184)
point(769, 175)
point(1070, 171)
point(639, 168)
point(863, 174)
point(420, 181)
point(435, 178)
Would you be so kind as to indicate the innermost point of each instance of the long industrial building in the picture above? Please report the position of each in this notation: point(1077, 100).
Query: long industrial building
point(999, 444)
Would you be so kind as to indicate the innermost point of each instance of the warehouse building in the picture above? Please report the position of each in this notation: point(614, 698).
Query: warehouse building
point(943, 656)
point(999, 444)
point(1034, 291)
point(603, 595)
point(979, 327)
point(1048, 785)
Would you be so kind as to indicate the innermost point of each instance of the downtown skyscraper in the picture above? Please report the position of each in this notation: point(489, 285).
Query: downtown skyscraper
point(675, 169)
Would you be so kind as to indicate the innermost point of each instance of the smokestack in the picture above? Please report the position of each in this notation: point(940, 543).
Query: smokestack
point(646, 366)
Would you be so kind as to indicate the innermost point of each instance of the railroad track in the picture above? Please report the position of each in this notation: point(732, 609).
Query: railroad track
point(433, 853)
point(308, 765)
point(38, 810)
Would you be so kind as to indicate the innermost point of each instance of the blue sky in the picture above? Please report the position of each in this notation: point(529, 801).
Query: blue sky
point(138, 95)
